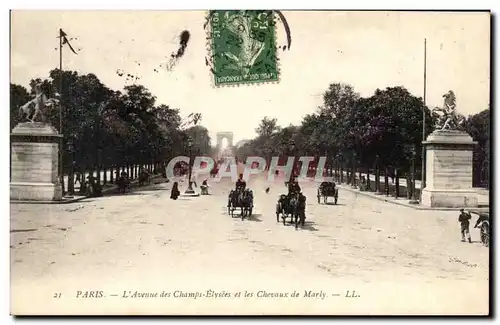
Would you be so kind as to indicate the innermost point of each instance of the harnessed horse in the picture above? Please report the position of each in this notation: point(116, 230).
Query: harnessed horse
point(240, 198)
point(292, 205)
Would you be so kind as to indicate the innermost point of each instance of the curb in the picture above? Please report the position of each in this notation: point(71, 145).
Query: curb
point(63, 201)
point(75, 199)
point(405, 204)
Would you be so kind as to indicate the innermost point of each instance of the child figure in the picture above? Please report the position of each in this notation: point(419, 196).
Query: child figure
point(464, 218)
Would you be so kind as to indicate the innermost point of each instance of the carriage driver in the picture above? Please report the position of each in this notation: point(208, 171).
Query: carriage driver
point(240, 183)
point(293, 186)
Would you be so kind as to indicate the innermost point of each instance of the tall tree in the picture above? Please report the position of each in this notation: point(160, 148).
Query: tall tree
point(107, 128)
point(338, 99)
point(201, 140)
point(394, 127)
point(478, 126)
point(267, 127)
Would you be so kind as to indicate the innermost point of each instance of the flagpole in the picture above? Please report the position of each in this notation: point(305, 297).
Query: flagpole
point(422, 181)
point(61, 169)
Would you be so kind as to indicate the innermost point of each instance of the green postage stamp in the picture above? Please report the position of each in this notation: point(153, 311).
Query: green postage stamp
point(243, 45)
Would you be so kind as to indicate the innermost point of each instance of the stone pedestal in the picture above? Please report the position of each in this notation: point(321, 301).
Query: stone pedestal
point(449, 170)
point(34, 163)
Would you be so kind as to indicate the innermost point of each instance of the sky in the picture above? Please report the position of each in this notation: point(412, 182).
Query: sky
point(368, 50)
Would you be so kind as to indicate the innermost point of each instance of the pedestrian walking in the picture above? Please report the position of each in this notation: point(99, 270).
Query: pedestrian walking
point(464, 218)
point(204, 188)
point(174, 193)
point(78, 179)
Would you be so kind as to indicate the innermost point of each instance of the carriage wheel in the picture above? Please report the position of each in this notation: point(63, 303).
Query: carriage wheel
point(485, 234)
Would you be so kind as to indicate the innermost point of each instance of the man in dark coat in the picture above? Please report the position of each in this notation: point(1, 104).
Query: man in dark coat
point(293, 186)
point(240, 183)
point(174, 193)
point(464, 218)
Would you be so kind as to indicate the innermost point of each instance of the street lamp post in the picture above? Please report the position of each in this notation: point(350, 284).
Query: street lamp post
point(326, 169)
point(98, 121)
point(353, 176)
point(189, 190)
point(413, 196)
point(341, 162)
point(292, 151)
point(335, 168)
point(377, 174)
point(71, 175)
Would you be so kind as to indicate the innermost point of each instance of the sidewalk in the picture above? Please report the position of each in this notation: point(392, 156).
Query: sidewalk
point(404, 201)
point(108, 188)
point(483, 193)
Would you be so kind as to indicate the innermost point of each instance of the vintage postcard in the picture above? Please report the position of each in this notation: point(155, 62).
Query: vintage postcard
point(250, 162)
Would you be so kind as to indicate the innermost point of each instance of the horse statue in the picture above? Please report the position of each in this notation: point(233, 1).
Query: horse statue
point(448, 119)
point(34, 108)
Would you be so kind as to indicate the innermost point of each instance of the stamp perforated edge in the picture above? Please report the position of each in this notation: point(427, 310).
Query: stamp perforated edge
point(209, 50)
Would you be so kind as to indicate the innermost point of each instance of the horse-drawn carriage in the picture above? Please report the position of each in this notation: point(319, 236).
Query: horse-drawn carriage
point(123, 183)
point(328, 189)
point(293, 206)
point(483, 223)
point(91, 187)
point(240, 199)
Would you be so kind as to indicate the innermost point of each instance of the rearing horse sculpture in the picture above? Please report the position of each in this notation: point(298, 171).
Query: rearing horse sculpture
point(449, 118)
point(34, 107)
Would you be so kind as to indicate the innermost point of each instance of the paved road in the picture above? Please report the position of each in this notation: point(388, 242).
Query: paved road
point(398, 260)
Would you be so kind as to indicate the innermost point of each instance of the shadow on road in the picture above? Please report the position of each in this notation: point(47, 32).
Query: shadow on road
point(136, 190)
point(151, 189)
point(309, 225)
point(329, 203)
point(113, 194)
point(254, 217)
point(23, 230)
